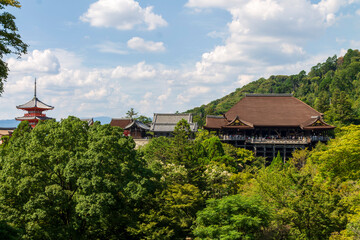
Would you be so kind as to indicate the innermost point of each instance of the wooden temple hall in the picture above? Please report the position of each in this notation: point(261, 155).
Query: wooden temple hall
point(270, 123)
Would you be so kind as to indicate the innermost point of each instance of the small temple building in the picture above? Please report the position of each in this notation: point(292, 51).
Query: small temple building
point(132, 127)
point(5, 132)
point(35, 109)
point(89, 121)
point(163, 124)
point(270, 123)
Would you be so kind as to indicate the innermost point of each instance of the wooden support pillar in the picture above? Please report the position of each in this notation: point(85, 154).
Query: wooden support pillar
point(264, 151)
point(273, 151)
point(284, 153)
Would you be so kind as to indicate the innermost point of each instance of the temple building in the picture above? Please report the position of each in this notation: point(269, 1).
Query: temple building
point(5, 132)
point(163, 124)
point(35, 109)
point(270, 123)
point(132, 127)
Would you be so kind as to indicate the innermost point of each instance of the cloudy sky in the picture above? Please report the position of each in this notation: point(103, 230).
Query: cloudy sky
point(102, 57)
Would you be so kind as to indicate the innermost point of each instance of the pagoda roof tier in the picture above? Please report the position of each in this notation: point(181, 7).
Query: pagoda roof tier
point(35, 103)
point(25, 118)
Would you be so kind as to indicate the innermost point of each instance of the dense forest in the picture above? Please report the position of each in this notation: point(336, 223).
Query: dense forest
point(68, 180)
point(332, 87)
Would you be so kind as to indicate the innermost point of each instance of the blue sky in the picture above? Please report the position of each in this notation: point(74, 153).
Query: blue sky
point(103, 57)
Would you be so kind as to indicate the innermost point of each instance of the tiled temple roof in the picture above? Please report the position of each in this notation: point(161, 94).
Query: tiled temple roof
point(120, 122)
point(166, 122)
point(279, 110)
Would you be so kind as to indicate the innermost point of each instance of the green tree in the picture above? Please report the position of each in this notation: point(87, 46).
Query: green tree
point(339, 159)
point(144, 119)
point(7, 232)
point(309, 209)
point(233, 217)
point(341, 111)
point(171, 214)
point(10, 40)
point(322, 102)
point(131, 113)
point(66, 180)
point(213, 147)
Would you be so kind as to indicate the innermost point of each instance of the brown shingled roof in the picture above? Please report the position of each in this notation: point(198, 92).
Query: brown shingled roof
point(272, 110)
point(120, 122)
point(215, 122)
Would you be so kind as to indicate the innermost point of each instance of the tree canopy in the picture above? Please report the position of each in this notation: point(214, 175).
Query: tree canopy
point(65, 180)
point(10, 40)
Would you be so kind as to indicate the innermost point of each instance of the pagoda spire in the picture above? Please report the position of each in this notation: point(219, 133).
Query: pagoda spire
point(35, 89)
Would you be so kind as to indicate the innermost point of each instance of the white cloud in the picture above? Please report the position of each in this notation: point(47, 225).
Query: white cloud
point(36, 62)
point(263, 9)
point(358, 12)
point(122, 15)
point(164, 96)
point(291, 49)
point(198, 90)
point(96, 93)
point(263, 36)
point(355, 44)
point(244, 79)
point(141, 45)
point(111, 47)
point(138, 71)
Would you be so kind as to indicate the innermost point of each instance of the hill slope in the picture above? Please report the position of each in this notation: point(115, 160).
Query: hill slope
point(332, 87)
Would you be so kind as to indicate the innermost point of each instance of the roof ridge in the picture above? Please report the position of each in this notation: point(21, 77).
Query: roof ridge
point(121, 118)
point(215, 116)
point(173, 114)
point(268, 95)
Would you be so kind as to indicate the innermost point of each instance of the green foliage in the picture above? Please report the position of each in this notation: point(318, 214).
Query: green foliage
point(233, 217)
point(10, 40)
point(144, 119)
point(218, 181)
point(171, 214)
point(339, 160)
point(22, 129)
point(7, 232)
point(311, 209)
point(213, 147)
point(277, 163)
point(66, 180)
point(131, 113)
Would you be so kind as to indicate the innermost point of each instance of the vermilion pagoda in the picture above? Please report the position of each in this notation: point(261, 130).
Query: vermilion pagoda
point(35, 109)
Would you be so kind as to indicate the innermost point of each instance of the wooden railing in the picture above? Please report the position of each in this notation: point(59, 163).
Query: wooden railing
point(290, 140)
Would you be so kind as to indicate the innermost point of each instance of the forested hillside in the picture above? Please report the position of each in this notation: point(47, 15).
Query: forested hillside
point(332, 87)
